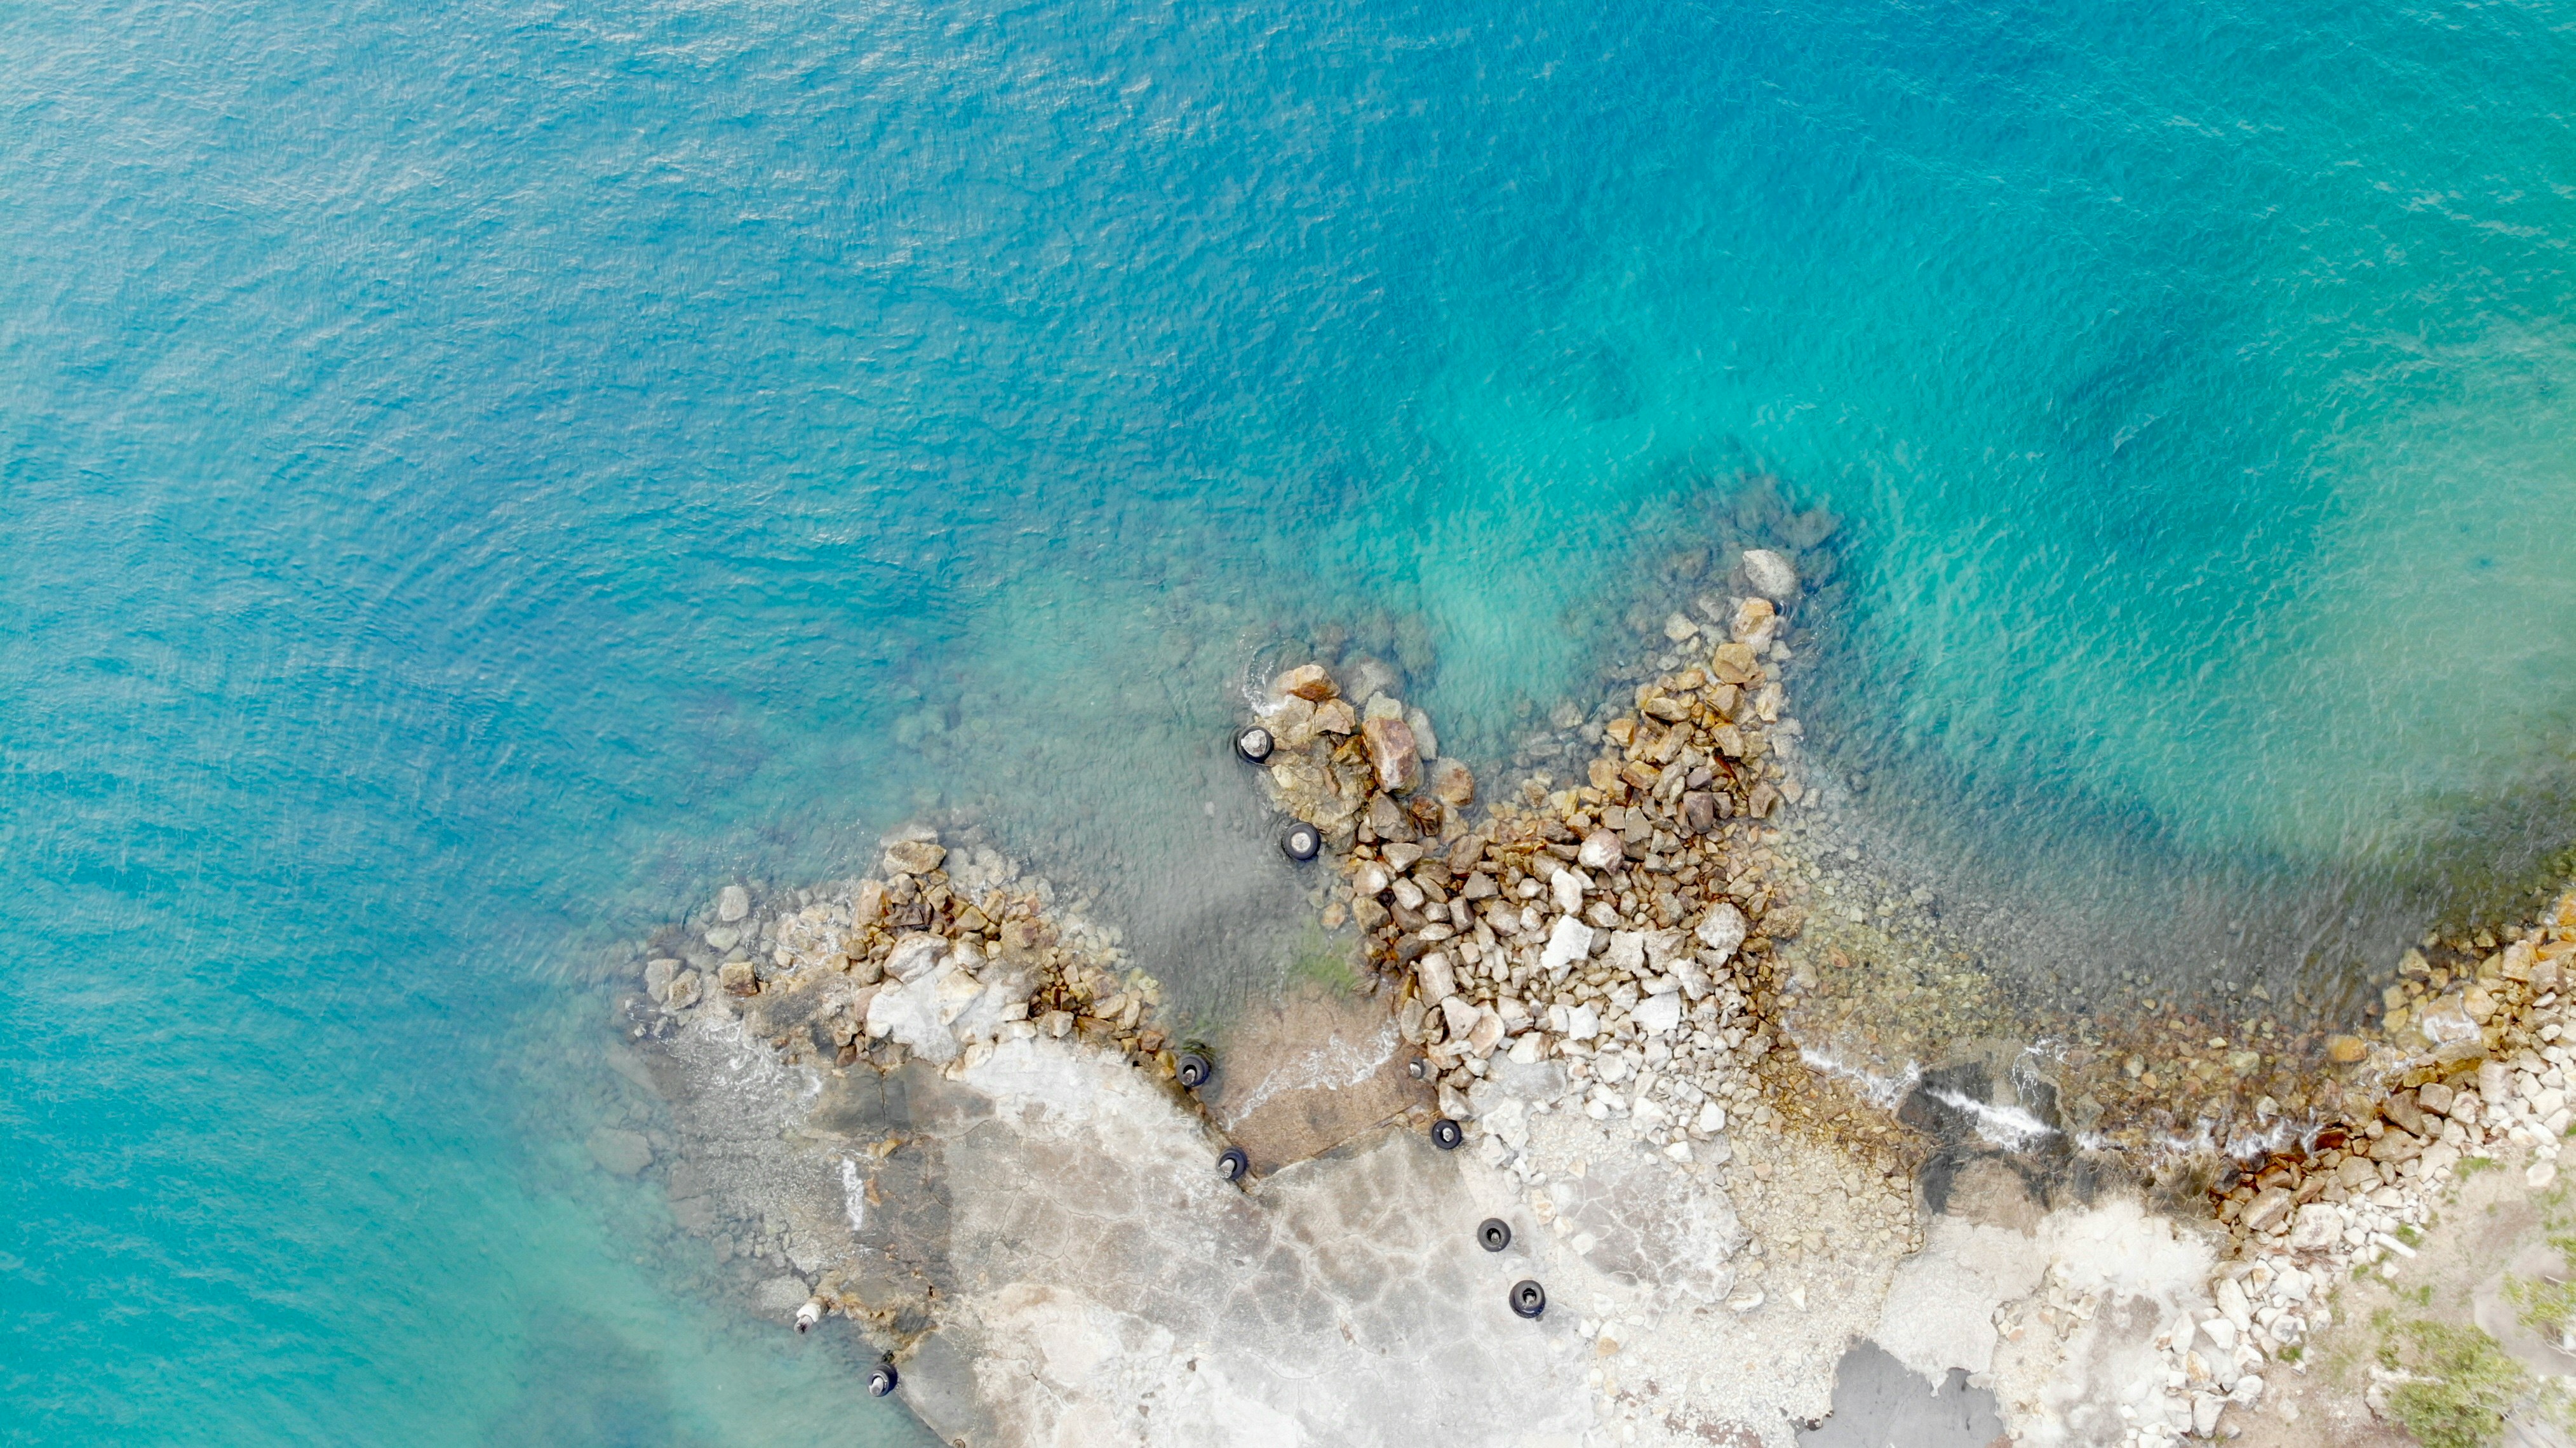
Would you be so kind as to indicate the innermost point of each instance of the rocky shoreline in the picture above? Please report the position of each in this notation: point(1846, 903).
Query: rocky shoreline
point(946, 1107)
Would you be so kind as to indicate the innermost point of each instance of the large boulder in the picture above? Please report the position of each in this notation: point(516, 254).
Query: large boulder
point(1393, 754)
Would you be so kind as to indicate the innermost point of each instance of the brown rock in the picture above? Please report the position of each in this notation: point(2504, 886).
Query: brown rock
point(1392, 754)
point(1762, 801)
point(2266, 1208)
point(1336, 716)
point(736, 977)
point(2345, 1050)
point(1735, 664)
point(1308, 682)
point(2401, 1109)
point(1453, 783)
point(913, 857)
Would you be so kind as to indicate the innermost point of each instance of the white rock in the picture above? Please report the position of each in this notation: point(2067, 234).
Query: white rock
point(1658, 1014)
point(1568, 886)
point(1678, 627)
point(1527, 1049)
point(1460, 1014)
point(1722, 930)
point(1771, 575)
point(1627, 952)
point(915, 1014)
point(1568, 941)
point(1602, 850)
point(2232, 1304)
point(2222, 1332)
point(1582, 1023)
point(1439, 979)
point(732, 903)
point(1711, 1119)
point(914, 955)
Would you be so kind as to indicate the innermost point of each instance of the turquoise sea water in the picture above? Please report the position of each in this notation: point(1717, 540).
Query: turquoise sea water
point(474, 478)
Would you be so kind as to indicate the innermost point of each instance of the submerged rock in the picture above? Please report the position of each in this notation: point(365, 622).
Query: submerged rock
point(1770, 574)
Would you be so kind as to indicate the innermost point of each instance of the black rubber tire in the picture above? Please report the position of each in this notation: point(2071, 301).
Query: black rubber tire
point(1418, 1068)
point(1253, 745)
point(1231, 1164)
point(1302, 843)
point(1493, 1234)
point(1528, 1298)
point(882, 1381)
point(1447, 1134)
point(1192, 1070)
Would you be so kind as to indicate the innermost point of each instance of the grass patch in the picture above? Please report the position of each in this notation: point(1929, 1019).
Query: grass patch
point(2471, 1165)
point(2460, 1383)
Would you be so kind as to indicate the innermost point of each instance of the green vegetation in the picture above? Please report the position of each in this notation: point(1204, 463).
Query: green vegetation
point(2460, 1383)
point(2471, 1165)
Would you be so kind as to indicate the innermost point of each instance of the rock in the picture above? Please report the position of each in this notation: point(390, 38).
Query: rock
point(657, 979)
point(1424, 740)
point(2435, 1097)
point(1566, 887)
point(1679, 628)
point(1699, 812)
point(2319, 1225)
point(2446, 1020)
point(1602, 850)
point(1438, 978)
point(1402, 856)
point(684, 990)
point(619, 1152)
point(2401, 1109)
point(2346, 1050)
point(1486, 1033)
point(1764, 799)
point(1459, 1014)
point(2478, 1004)
point(1658, 1014)
point(914, 955)
point(913, 857)
point(1770, 574)
point(1722, 929)
point(1735, 664)
point(1582, 1023)
point(1308, 682)
point(1568, 941)
point(1451, 783)
point(736, 977)
point(1756, 623)
point(1393, 754)
point(2222, 1332)
point(732, 903)
point(1336, 716)
point(917, 1014)
point(2233, 1305)
point(2262, 1212)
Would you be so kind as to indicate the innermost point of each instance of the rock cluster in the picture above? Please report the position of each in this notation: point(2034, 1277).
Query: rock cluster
point(2487, 1074)
point(1623, 926)
point(940, 957)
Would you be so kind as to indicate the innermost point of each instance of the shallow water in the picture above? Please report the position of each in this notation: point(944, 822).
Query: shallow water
point(471, 482)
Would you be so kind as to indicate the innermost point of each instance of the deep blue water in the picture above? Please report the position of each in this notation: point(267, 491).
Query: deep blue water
point(474, 477)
